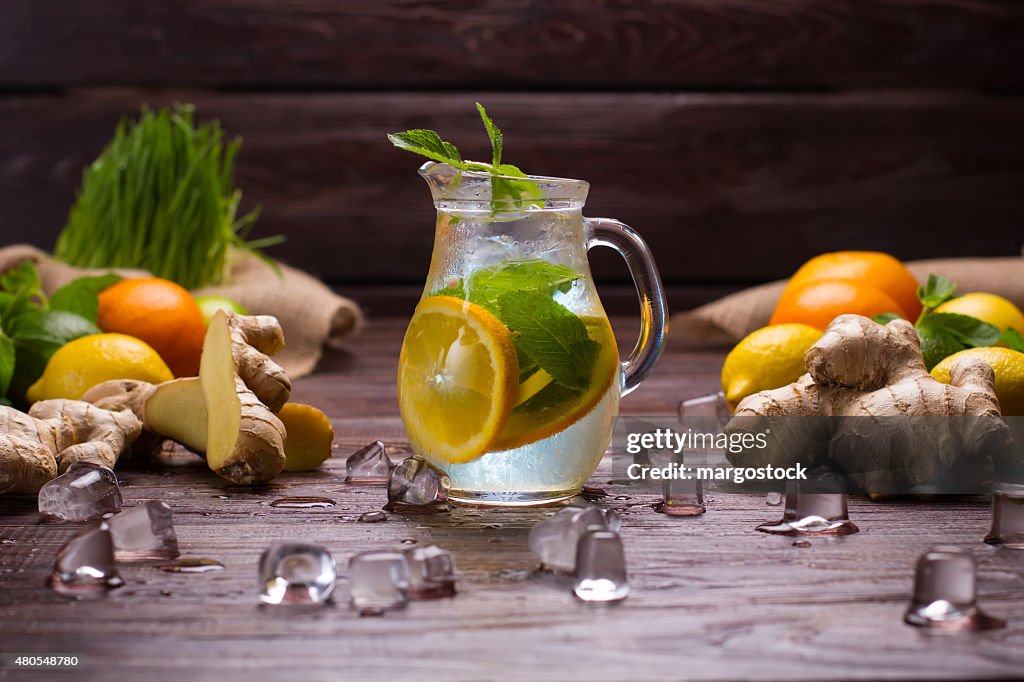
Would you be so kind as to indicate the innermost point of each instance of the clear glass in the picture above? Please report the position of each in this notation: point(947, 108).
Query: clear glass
point(553, 438)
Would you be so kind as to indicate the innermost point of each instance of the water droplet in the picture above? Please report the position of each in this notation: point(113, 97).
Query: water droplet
point(801, 543)
point(193, 565)
point(8, 541)
point(409, 541)
point(491, 525)
point(303, 503)
point(373, 517)
point(773, 499)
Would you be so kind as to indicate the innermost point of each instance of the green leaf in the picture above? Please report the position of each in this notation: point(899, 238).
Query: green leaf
point(81, 295)
point(1011, 338)
point(937, 291)
point(21, 276)
point(6, 363)
point(550, 335)
point(886, 318)
point(487, 284)
point(429, 144)
point(37, 335)
point(493, 132)
point(943, 334)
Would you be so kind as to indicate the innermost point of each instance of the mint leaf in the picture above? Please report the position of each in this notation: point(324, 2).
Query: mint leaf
point(487, 284)
point(550, 335)
point(81, 295)
point(22, 277)
point(943, 334)
point(429, 144)
point(885, 318)
point(37, 334)
point(6, 363)
point(937, 291)
point(1011, 338)
point(493, 132)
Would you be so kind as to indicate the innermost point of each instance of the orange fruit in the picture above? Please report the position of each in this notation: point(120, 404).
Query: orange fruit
point(162, 314)
point(818, 303)
point(877, 269)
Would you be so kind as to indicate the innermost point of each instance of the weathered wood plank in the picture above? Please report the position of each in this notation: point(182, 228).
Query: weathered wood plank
point(726, 188)
point(509, 44)
point(712, 598)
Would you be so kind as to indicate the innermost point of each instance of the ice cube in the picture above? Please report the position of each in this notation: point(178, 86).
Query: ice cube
point(1007, 516)
point(431, 572)
point(369, 464)
point(773, 499)
point(379, 581)
point(296, 573)
point(945, 593)
point(710, 405)
point(144, 532)
point(84, 492)
point(415, 483)
point(554, 539)
point(821, 512)
point(682, 497)
point(85, 564)
point(600, 567)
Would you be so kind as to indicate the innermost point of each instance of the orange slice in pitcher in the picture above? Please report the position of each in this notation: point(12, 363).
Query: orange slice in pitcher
point(543, 408)
point(457, 379)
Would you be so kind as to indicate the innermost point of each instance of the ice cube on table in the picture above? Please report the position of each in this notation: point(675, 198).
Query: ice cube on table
point(369, 465)
point(554, 539)
point(84, 492)
point(1007, 516)
point(682, 497)
point(144, 532)
point(85, 564)
point(710, 405)
point(945, 593)
point(415, 483)
point(296, 573)
point(816, 506)
point(600, 567)
point(379, 581)
point(431, 572)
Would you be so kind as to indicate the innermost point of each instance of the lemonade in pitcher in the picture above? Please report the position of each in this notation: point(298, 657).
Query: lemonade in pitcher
point(509, 377)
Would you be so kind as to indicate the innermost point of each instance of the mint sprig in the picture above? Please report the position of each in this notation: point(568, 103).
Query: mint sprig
point(505, 185)
point(943, 334)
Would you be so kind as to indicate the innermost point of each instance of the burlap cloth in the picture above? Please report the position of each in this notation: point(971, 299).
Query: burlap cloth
point(310, 313)
point(729, 319)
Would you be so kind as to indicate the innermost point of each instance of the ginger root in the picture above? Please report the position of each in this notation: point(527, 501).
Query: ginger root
point(871, 409)
point(35, 447)
point(309, 437)
point(228, 411)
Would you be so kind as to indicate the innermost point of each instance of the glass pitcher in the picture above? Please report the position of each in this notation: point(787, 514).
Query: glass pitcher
point(509, 377)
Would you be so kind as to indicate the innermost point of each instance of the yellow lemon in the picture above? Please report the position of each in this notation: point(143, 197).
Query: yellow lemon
point(990, 308)
point(85, 362)
point(458, 379)
point(1008, 366)
point(767, 358)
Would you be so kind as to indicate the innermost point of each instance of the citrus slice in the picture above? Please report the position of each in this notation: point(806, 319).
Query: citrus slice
point(543, 407)
point(457, 379)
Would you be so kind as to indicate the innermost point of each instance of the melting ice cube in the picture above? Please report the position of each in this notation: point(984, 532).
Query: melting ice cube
point(682, 497)
point(945, 593)
point(296, 573)
point(144, 532)
point(554, 539)
point(710, 405)
point(369, 464)
point(414, 483)
point(822, 512)
point(431, 572)
point(85, 564)
point(1007, 516)
point(600, 567)
point(379, 581)
point(84, 492)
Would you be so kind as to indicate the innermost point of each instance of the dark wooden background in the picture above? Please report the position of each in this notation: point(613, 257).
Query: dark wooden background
point(739, 136)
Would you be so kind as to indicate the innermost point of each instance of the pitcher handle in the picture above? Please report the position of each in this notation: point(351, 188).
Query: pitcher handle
point(653, 311)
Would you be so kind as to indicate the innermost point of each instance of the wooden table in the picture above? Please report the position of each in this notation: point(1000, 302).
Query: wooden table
point(711, 598)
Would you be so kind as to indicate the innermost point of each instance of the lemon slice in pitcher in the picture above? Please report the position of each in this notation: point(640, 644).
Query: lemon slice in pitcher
point(457, 379)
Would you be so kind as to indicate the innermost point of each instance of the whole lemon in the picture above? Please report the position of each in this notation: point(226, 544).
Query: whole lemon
point(990, 308)
point(1008, 366)
point(90, 360)
point(768, 358)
